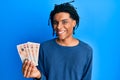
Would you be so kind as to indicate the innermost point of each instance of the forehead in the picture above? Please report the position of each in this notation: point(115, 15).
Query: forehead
point(61, 16)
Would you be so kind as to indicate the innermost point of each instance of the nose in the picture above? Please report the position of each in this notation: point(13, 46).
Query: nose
point(59, 26)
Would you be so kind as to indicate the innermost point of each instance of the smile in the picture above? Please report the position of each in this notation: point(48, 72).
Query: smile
point(61, 32)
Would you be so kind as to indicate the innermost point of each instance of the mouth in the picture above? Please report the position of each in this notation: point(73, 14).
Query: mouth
point(60, 32)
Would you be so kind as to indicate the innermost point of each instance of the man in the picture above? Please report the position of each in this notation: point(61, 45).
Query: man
point(64, 57)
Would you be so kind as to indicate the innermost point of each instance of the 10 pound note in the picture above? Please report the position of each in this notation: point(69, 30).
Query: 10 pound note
point(30, 51)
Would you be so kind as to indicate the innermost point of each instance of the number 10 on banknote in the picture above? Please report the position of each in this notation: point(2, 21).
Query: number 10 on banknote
point(30, 51)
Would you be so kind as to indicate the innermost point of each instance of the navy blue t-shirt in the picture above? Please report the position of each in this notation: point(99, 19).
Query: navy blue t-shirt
point(58, 62)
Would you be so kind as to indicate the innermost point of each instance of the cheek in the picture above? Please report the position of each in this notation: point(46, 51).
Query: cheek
point(70, 28)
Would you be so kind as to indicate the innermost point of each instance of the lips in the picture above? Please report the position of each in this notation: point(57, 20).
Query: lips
point(60, 32)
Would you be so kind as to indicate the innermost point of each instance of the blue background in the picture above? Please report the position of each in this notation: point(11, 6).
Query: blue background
point(27, 20)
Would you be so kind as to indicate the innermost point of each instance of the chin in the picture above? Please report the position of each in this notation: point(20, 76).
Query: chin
point(61, 38)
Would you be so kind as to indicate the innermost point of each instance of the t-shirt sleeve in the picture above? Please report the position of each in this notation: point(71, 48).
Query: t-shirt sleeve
point(87, 73)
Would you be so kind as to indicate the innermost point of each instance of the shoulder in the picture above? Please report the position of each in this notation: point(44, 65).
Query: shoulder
point(48, 43)
point(85, 47)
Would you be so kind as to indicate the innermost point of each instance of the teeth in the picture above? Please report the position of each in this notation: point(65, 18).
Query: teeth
point(60, 32)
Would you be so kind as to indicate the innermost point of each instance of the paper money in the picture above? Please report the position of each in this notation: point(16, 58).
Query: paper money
point(30, 51)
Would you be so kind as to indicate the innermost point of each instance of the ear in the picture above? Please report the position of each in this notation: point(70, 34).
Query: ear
point(74, 23)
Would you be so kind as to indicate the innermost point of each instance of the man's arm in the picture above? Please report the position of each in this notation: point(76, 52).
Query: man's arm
point(87, 73)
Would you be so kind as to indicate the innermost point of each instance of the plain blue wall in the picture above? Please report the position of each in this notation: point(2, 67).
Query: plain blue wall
point(27, 20)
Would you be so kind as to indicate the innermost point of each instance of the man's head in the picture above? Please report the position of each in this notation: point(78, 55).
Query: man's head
point(67, 8)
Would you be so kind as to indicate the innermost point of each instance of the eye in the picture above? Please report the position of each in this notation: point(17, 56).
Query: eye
point(55, 22)
point(64, 22)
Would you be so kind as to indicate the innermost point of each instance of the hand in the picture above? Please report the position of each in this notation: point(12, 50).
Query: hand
point(29, 70)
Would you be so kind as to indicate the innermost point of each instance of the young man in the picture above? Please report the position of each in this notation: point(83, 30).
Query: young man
point(64, 57)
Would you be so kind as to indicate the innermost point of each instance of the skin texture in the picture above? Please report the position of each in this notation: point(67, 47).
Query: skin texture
point(63, 26)
point(29, 70)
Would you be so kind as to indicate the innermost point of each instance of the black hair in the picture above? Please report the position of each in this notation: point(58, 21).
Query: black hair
point(65, 7)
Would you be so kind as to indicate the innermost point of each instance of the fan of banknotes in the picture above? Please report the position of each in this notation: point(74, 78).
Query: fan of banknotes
point(30, 51)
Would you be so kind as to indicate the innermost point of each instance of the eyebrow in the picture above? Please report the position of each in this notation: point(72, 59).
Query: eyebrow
point(62, 20)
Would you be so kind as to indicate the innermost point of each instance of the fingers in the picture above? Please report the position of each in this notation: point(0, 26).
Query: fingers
point(27, 68)
point(29, 71)
point(24, 66)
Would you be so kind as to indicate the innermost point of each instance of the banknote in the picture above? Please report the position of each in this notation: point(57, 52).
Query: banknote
point(30, 51)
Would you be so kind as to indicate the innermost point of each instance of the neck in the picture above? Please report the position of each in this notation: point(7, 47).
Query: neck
point(67, 42)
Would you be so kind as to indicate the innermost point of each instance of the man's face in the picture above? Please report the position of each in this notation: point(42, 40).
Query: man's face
point(63, 25)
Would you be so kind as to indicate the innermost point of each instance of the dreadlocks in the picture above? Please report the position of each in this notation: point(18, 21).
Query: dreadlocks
point(65, 7)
